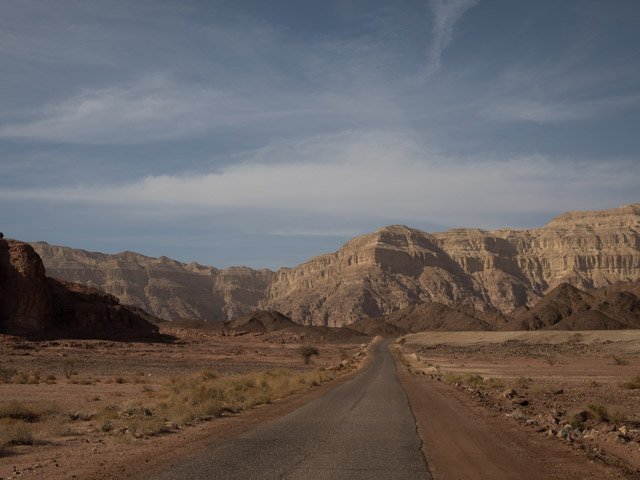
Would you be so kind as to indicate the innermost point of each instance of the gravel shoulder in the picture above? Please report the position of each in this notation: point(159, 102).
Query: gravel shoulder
point(526, 404)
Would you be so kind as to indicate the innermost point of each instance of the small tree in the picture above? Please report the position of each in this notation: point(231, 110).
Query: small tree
point(306, 351)
point(67, 365)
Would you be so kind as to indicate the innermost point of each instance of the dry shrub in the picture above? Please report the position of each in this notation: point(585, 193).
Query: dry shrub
point(67, 367)
point(204, 394)
point(307, 351)
point(6, 374)
point(547, 389)
point(600, 412)
point(22, 424)
point(523, 382)
point(619, 360)
point(494, 383)
point(469, 379)
point(633, 384)
point(16, 432)
point(29, 413)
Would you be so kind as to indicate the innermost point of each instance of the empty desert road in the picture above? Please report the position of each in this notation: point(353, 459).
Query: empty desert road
point(362, 429)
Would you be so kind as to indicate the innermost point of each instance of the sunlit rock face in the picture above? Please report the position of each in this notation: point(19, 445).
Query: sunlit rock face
point(376, 274)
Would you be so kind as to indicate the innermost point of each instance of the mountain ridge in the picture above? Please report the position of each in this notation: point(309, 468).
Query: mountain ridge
point(376, 274)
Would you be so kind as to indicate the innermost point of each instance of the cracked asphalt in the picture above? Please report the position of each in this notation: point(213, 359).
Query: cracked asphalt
point(363, 429)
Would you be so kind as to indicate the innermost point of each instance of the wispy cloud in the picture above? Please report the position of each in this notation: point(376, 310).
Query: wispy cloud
point(446, 14)
point(158, 108)
point(388, 176)
point(562, 111)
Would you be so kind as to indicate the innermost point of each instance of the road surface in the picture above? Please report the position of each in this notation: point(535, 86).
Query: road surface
point(363, 429)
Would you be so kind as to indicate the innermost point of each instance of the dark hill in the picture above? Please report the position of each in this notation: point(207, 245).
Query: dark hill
point(568, 308)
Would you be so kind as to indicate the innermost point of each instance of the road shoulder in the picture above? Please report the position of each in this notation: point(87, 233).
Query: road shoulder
point(461, 440)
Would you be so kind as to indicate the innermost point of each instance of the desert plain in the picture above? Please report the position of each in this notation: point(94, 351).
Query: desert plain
point(104, 420)
point(568, 402)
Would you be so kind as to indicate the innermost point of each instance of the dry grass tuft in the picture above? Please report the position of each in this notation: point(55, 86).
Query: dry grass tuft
point(619, 360)
point(22, 424)
point(184, 399)
point(469, 379)
point(633, 384)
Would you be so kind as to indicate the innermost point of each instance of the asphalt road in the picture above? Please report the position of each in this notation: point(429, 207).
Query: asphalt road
point(363, 429)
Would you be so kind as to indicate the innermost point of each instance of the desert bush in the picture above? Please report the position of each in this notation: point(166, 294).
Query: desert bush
point(25, 424)
point(306, 351)
point(577, 420)
point(6, 374)
point(633, 384)
point(599, 411)
point(469, 379)
point(523, 382)
point(28, 412)
point(16, 432)
point(20, 378)
point(184, 399)
point(546, 388)
point(551, 360)
point(619, 360)
point(67, 367)
point(494, 383)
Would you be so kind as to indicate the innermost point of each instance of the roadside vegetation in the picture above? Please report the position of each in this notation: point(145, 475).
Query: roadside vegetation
point(159, 408)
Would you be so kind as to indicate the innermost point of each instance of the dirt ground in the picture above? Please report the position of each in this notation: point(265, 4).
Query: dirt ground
point(104, 374)
point(568, 390)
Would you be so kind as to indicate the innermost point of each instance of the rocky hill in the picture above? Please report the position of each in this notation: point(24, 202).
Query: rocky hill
point(569, 308)
point(34, 305)
point(377, 274)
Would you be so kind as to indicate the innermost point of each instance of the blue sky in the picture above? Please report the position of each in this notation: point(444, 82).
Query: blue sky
point(262, 133)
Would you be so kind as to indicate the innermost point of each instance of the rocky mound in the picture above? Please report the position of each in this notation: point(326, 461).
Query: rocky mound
point(433, 316)
point(268, 322)
point(377, 327)
point(32, 304)
point(569, 308)
point(259, 321)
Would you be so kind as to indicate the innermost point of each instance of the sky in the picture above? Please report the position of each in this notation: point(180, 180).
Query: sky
point(262, 133)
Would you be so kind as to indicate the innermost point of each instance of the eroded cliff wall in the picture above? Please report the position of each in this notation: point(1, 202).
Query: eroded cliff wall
point(379, 273)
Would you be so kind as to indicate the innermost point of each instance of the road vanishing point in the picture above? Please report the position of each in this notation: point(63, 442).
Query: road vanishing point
point(362, 429)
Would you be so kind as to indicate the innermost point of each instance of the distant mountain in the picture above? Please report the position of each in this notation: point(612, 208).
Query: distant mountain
point(377, 274)
point(34, 305)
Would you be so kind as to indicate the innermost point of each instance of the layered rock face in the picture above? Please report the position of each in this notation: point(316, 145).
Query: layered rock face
point(32, 304)
point(162, 286)
point(377, 274)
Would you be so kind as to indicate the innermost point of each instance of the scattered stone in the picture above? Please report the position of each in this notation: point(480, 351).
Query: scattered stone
point(509, 393)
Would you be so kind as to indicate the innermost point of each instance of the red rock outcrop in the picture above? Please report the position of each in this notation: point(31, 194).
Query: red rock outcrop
point(32, 304)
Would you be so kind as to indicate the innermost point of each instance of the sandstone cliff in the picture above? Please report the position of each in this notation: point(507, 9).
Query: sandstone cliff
point(377, 274)
point(162, 286)
point(34, 305)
